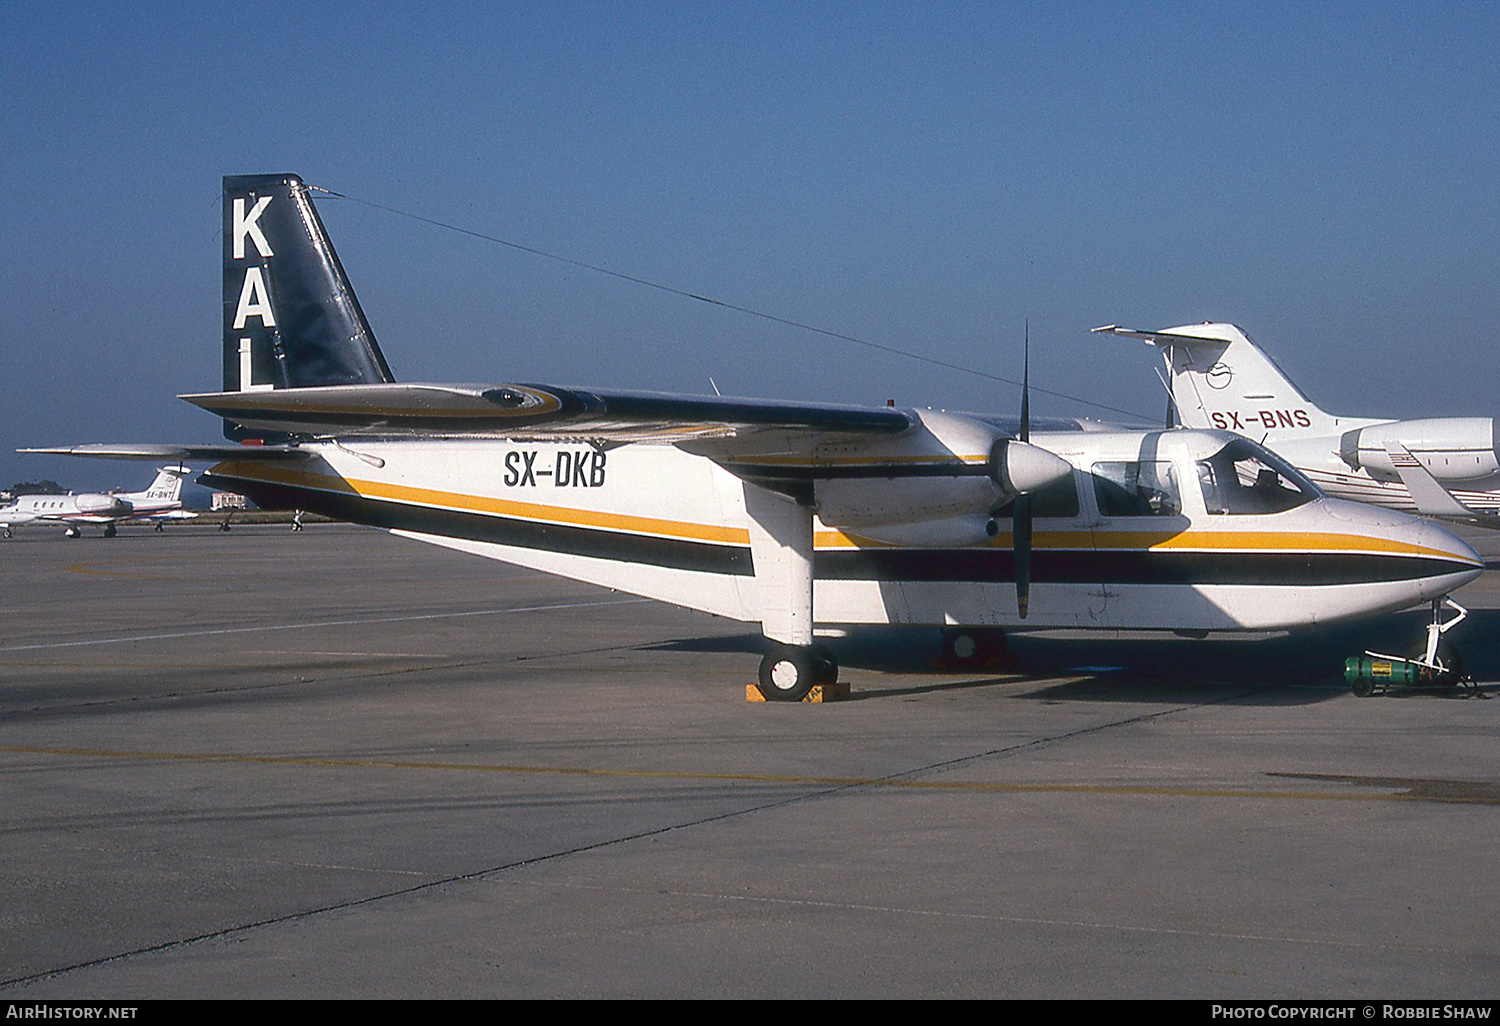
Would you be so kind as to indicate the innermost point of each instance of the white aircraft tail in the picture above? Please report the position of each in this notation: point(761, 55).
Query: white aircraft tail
point(1221, 379)
point(167, 488)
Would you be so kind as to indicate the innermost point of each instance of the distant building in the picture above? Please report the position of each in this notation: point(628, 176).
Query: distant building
point(228, 500)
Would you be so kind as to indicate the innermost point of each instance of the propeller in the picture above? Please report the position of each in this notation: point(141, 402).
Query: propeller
point(1020, 517)
point(1021, 469)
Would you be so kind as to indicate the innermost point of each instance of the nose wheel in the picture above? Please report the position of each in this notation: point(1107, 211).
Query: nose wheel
point(789, 672)
point(1435, 663)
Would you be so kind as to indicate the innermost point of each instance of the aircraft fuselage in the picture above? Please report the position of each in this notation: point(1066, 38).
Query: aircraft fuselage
point(657, 521)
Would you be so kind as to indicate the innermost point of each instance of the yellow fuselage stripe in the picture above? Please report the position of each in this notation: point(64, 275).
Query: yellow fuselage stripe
point(1208, 541)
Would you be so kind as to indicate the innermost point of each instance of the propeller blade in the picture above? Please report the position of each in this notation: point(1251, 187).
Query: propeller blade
point(1026, 386)
point(1021, 513)
point(1021, 540)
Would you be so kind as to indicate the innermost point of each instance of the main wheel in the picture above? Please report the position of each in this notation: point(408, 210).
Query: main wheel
point(788, 672)
point(110, 530)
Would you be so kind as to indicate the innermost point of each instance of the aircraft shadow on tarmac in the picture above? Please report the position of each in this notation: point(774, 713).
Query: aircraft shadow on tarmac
point(1295, 669)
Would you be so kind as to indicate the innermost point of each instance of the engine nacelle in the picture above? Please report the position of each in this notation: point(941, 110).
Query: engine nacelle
point(1013, 468)
point(101, 504)
point(866, 502)
point(943, 478)
point(1455, 450)
point(949, 533)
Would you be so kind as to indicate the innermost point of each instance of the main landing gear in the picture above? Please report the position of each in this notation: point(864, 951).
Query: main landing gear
point(110, 530)
point(789, 672)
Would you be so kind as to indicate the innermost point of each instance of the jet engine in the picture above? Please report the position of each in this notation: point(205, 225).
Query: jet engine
point(1455, 450)
point(104, 504)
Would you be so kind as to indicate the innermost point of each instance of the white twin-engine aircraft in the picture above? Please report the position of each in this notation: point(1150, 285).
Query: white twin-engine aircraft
point(161, 501)
point(793, 515)
point(1440, 466)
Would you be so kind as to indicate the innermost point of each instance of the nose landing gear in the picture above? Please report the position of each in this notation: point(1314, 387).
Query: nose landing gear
point(1434, 664)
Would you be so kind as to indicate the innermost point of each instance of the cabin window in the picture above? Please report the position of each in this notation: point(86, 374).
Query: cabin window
point(1059, 499)
point(1139, 488)
point(1243, 478)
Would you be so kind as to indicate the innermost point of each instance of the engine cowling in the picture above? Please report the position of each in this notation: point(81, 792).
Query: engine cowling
point(1455, 450)
point(101, 504)
point(1013, 468)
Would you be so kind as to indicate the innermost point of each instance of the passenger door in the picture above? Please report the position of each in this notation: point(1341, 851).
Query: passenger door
point(1138, 506)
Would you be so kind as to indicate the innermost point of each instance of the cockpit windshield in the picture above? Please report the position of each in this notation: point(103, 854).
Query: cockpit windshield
point(1243, 478)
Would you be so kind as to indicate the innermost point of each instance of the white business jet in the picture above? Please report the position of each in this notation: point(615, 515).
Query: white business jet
point(795, 516)
point(1439, 466)
point(161, 501)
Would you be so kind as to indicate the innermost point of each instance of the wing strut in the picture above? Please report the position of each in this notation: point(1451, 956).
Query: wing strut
point(781, 546)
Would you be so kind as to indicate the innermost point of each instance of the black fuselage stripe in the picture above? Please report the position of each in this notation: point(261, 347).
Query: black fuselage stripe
point(565, 539)
point(987, 565)
point(886, 472)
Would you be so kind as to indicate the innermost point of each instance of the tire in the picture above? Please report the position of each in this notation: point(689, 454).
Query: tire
point(788, 672)
point(1448, 655)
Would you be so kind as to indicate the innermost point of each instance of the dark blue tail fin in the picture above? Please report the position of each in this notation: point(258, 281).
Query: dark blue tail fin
point(290, 315)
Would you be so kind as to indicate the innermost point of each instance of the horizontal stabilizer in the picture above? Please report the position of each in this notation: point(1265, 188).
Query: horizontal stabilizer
point(176, 452)
point(1155, 337)
point(532, 411)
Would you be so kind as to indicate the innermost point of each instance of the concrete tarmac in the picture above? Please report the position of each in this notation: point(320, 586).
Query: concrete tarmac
point(342, 764)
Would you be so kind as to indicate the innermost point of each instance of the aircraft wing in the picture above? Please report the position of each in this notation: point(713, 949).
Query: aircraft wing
point(176, 452)
point(164, 514)
point(1427, 492)
point(535, 412)
point(1430, 496)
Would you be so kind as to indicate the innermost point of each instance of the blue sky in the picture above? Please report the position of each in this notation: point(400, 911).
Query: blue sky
point(925, 176)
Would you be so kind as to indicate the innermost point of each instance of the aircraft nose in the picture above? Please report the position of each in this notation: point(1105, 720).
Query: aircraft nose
point(1434, 559)
point(1438, 537)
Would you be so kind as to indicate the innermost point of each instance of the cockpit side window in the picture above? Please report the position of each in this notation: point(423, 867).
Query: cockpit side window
point(1243, 478)
point(1140, 488)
